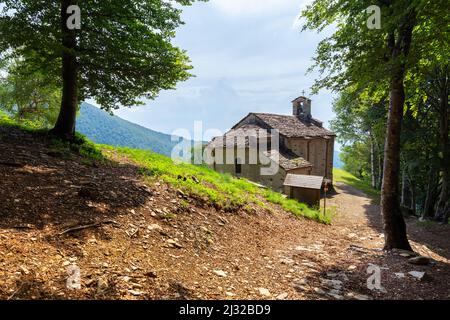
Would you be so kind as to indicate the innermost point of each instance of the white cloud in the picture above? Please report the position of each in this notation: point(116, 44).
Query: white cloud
point(257, 7)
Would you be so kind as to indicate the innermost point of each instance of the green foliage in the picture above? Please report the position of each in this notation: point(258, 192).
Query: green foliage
point(426, 224)
point(124, 50)
point(360, 122)
point(26, 125)
point(222, 190)
point(80, 145)
point(359, 57)
point(356, 160)
point(362, 118)
point(28, 97)
point(360, 113)
point(100, 127)
point(340, 175)
point(298, 209)
point(366, 66)
point(5, 119)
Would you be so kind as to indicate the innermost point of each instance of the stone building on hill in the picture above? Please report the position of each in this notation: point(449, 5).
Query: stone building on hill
point(304, 147)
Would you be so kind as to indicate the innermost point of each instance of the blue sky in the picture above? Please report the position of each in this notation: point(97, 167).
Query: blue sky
point(248, 56)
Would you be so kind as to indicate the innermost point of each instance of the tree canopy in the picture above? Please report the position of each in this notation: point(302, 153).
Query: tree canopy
point(358, 56)
point(121, 53)
point(369, 64)
point(28, 96)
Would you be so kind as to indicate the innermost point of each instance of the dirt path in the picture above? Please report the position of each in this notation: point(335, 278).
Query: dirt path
point(354, 207)
point(298, 259)
point(276, 256)
point(165, 246)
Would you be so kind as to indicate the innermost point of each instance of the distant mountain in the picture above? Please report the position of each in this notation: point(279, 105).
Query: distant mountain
point(337, 163)
point(101, 127)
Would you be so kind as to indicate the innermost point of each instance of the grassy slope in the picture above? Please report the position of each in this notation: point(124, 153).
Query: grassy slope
point(340, 175)
point(221, 190)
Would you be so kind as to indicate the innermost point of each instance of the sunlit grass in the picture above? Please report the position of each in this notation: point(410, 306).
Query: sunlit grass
point(340, 175)
point(222, 190)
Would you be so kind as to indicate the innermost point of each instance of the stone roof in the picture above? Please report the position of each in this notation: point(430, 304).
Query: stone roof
point(240, 137)
point(293, 126)
point(301, 97)
point(303, 181)
point(287, 160)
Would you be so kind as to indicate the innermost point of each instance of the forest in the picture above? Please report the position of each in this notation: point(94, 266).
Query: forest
point(391, 74)
point(424, 154)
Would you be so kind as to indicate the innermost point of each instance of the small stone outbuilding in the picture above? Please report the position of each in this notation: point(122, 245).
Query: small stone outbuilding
point(304, 188)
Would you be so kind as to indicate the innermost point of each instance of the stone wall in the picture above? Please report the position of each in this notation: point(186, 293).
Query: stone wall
point(253, 171)
point(306, 171)
point(309, 196)
point(319, 152)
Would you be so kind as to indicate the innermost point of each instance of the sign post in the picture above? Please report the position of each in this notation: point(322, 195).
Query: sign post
point(325, 189)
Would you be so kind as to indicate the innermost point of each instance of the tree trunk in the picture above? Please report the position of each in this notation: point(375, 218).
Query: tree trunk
point(393, 222)
point(412, 205)
point(443, 207)
point(373, 162)
point(65, 125)
point(404, 197)
point(380, 167)
point(430, 194)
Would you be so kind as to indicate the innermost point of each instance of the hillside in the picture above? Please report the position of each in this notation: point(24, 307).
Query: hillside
point(100, 127)
point(136, 226)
